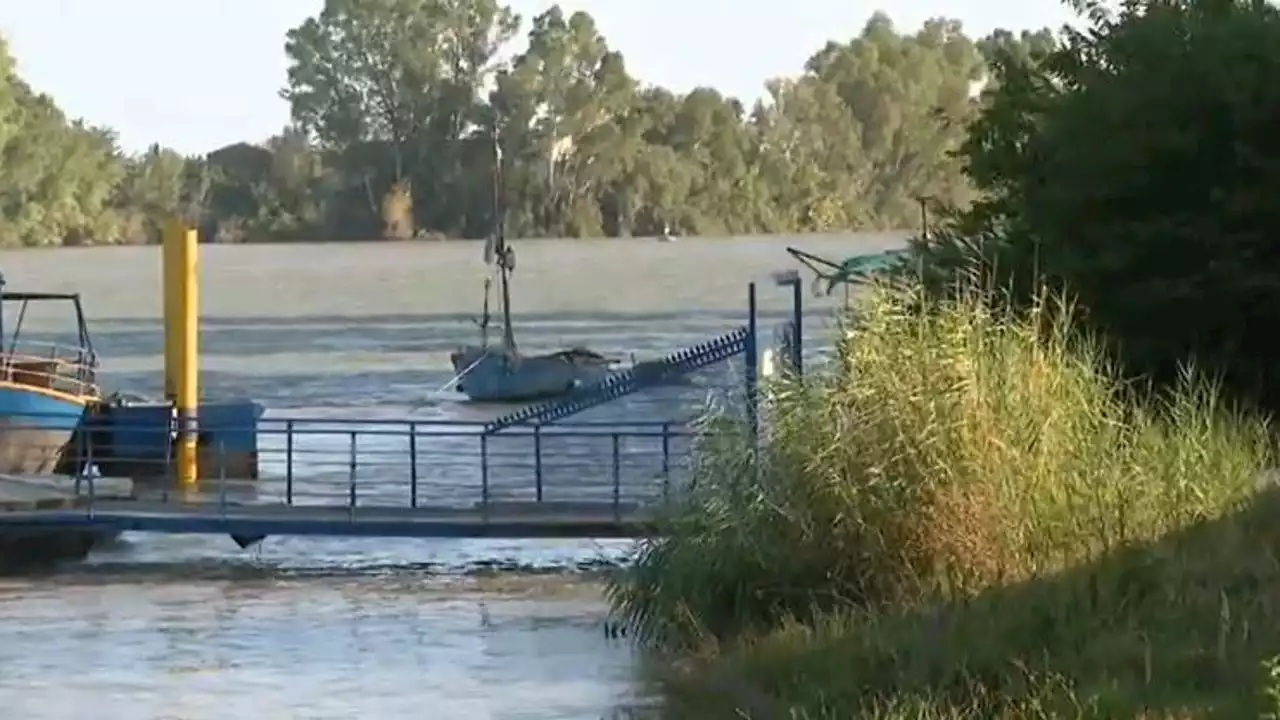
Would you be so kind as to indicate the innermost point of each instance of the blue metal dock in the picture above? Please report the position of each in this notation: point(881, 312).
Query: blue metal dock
point(526, 474)
point(407, 478)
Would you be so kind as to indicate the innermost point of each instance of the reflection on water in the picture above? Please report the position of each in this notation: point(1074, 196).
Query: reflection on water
point(188, 628)
point(399, 646)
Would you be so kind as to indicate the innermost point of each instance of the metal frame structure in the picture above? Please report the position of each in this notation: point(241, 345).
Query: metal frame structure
point(403, 478)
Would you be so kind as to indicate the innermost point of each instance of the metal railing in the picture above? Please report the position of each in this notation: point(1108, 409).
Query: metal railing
point(71, 370)
point(435, 463)
point(395, 463)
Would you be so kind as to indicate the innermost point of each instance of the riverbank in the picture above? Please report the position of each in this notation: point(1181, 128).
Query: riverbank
point(985, 524)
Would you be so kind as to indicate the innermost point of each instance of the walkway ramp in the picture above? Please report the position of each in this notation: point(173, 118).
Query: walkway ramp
point(625, 382)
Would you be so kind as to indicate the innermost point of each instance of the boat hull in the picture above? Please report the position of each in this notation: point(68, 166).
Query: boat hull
point(36, 427)
point(490, 375)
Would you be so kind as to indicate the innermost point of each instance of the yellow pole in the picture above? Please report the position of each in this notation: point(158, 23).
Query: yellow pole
point(170, 269)
point(188, 383)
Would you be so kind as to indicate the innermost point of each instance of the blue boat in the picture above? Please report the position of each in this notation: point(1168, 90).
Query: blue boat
point(45, 388)
point(499, 373)
point(56, 419)
point(491, 373)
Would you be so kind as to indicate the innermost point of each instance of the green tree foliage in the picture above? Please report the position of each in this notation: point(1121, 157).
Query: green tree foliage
point(1137, 165)
point(394, 108)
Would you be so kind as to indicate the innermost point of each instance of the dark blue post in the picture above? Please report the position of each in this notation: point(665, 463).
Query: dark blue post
point(797, 320)
point(617, 478)
point(752, 363)
point(666, 461)
point(351, 477)
point(288, 462)
point(537, 460)
point(484, 471)
point(413, 465)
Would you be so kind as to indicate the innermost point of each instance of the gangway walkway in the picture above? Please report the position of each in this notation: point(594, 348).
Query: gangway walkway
point(249, 523)
point(642, 375)
point(394, 478)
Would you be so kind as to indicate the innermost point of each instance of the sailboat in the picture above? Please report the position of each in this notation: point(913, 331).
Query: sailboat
point(499, 372)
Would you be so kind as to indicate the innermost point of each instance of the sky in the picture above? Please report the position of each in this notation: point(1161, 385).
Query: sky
point(196, 75)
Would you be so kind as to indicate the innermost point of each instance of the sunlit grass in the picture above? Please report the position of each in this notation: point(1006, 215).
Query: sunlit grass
point(967, 515)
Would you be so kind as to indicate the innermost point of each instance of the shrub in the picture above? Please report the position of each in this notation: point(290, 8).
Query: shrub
point(949, 450)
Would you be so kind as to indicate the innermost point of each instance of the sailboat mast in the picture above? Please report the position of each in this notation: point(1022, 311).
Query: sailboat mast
point(501, 251)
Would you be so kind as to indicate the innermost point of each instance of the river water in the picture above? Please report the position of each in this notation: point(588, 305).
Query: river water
point(193, 628)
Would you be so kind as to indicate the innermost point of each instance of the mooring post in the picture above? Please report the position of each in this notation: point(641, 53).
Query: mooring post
point(182, 349)
point(171, 279)
point(752, 364)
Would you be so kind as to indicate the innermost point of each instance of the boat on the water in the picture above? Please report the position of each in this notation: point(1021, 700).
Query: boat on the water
point(499, 372)
point(45, 388)
point(855, 269)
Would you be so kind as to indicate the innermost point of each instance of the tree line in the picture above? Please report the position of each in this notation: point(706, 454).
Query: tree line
point(397, 106)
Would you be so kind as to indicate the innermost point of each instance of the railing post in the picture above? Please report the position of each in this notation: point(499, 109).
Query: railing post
point(751, 360)
point(797, 322)
point(484, 472)
point(351, 475)
point(413, 465)
point(666, 462)
point(537, 461)
point(87, 468)
point(617, 478)
point(222, 474)
point(288, 461)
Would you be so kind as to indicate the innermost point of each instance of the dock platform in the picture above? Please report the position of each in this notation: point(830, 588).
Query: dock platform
point(24, 546)
point(548, 520)
point(45, 492)
point(417, 479)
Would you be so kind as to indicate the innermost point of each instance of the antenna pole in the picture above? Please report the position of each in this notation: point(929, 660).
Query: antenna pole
point(501, 250)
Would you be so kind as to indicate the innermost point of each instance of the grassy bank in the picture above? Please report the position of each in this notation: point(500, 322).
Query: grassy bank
point(968, 516)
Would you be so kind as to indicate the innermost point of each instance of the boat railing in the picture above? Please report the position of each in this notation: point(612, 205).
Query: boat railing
point(67, 369)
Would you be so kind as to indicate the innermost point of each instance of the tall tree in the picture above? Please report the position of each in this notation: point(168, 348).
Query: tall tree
point(561, 103)
point(403, 75)
point(911, 98)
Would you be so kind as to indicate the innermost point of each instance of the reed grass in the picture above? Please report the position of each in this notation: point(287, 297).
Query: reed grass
point(968, 515)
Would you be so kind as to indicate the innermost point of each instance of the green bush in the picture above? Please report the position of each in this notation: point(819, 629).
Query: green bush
point(1136, 165)
point(904, 531)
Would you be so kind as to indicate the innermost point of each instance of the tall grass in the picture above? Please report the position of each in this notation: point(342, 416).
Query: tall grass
point(950, 451)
